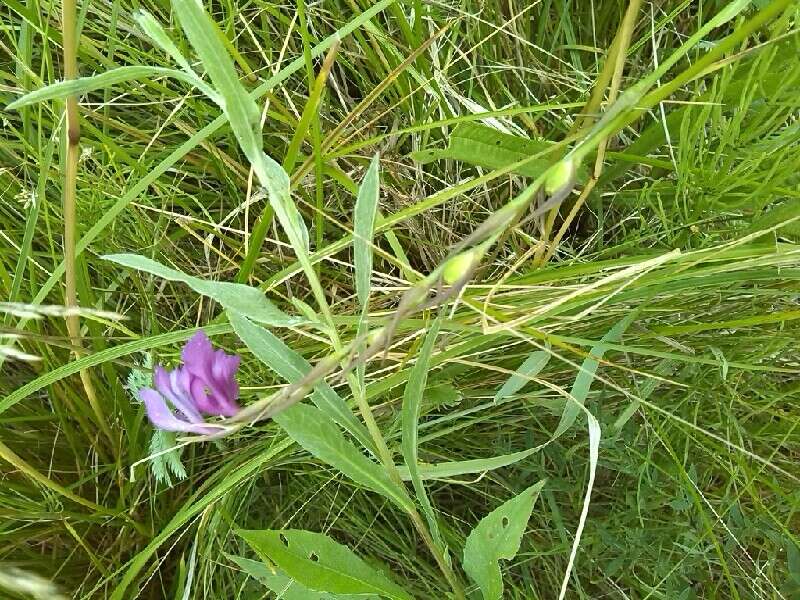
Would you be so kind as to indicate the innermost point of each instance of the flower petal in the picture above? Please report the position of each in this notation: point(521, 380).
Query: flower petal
point(171, 385)
point(198, 354)
point(160, 415)
point(213, 386)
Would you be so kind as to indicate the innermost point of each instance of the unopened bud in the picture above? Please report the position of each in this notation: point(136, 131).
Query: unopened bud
point(461, 264)
point(559, 176)
point(374, 336)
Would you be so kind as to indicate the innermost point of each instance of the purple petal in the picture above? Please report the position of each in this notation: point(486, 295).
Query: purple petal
point(172, 385)
point(160, 415)
point(198, 353)
point(213, 387)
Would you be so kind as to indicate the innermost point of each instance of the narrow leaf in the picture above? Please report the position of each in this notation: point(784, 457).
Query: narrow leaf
point(239, 107)
point(529, 368)
point(237, 297)
point(485, 146)
point(412, 400)
point(446, 470)
point(319, 435)
point(498, 535)
point(580, 388)
point(287, 363)
point(82, 85)
point(363, 229)
point(317, 562)
point(243, 116)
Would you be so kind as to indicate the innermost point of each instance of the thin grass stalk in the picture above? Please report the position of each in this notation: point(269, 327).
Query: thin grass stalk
point(72, 155)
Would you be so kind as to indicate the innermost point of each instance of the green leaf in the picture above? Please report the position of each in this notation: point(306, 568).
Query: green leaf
point(292, 367)
point(442, 395)
point(237, 297)
point(447, 470)
point(243, 116)
point(153, 29)
point(777, 215)
point(363, 228)
point(284, 586)
point(529, 368)
point(241, 110)
point(319, 435)
point(82, 85)
point(498, 535)
point(580, 387)
point(317, 562)
point(274, 178)
point(412, 401)
point(487, 147)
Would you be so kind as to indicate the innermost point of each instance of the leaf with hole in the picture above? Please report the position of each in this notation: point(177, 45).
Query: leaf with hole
point(498, 535)
point(283, 586)
point(319, 563)
point(318, 434)
point(237, 297)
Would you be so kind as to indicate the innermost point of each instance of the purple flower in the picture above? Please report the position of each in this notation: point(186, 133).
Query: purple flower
point(206, 383)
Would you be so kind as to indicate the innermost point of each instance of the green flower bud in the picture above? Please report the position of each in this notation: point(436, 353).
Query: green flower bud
point(559, 176)
point(458, 266)
point(375, 336)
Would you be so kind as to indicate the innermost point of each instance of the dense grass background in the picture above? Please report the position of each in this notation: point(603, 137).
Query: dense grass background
point(697, 490)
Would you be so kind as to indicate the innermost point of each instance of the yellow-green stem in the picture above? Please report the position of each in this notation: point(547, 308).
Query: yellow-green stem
point(71, 156)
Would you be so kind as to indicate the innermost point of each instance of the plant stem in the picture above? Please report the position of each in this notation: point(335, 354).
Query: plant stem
point(72, 154)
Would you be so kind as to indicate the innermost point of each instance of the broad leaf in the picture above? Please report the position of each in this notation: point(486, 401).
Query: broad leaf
point(319, 563)
point(363, 227)
point(284, 586)
point(236, 297)
point(319, 435)
point(498, 535)
point(484, 146)
point(291, 366)
point(529, 368)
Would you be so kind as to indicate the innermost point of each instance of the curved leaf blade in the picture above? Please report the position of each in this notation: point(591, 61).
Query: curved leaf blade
point(287, 363)
point(236, 297)
point(319, 435)
point(363, 229)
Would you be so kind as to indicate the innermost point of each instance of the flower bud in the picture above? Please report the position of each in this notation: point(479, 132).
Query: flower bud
point(458, 266)
point(559, 176)
point(374, 336)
